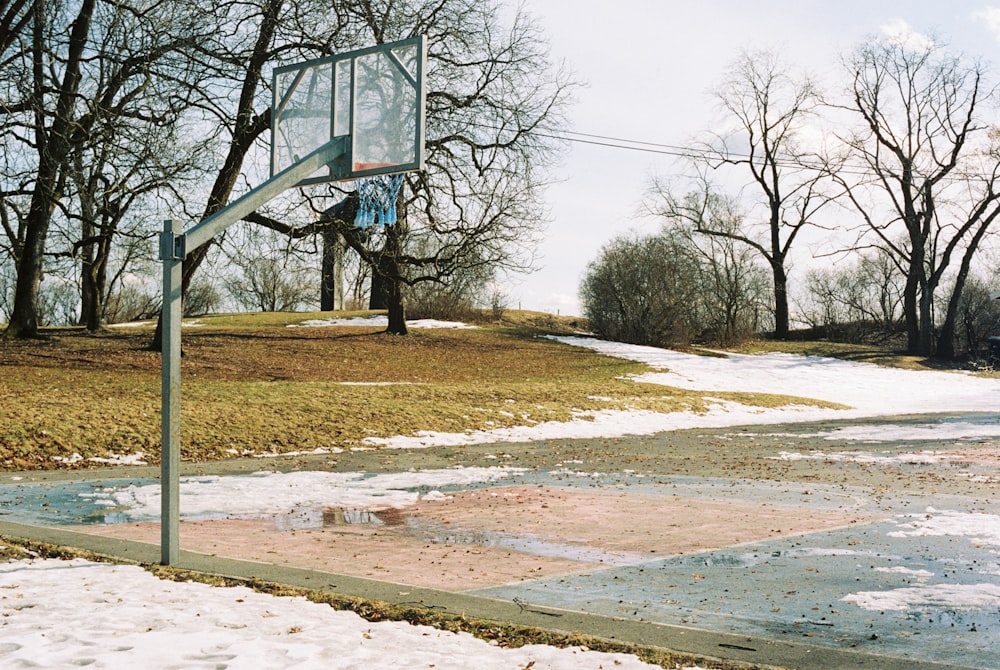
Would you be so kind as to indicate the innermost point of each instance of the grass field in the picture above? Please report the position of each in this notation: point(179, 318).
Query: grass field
point(253, 386)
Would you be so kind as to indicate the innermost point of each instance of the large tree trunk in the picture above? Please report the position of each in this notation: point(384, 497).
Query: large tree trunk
point(24, 317)
point(392, 276)
point(925, 345)
point(378, 297)
point(93, 282)
point(911, 310)
point(780, 300)
point(93, 270)
point(397, 313)
point(946, 338)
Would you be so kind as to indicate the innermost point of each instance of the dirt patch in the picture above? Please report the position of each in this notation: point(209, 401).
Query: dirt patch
point(489, 537)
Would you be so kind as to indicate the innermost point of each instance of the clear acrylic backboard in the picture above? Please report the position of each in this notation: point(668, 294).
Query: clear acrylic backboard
point(372, 99)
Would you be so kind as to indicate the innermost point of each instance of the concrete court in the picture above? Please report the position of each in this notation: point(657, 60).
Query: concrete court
point(763, 587)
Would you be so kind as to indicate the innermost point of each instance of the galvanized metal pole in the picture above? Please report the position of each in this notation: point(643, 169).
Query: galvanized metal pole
point(173, 248)
point(172, 255)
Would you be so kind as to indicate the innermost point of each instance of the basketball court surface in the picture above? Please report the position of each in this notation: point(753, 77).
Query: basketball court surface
point(765, 533)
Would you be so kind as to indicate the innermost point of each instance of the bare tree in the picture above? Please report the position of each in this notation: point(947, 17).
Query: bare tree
point(493, 99)
point(732, 286)
point(770, 108)
point(51, 125)
point(100, 76)
point(271, 277)
point(128, 144)
point(861, 298)
point(493, 102)
point(929, 175)
point(978, 314)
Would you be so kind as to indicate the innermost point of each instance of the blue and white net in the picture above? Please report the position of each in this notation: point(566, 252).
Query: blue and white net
point(377, 200)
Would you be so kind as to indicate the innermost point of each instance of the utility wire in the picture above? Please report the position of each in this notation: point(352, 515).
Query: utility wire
point(677, 151)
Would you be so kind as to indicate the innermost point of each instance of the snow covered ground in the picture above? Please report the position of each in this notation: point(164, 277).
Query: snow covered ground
point(868, 390)
point(377, 322)
point(63, 614)
point(56, 614)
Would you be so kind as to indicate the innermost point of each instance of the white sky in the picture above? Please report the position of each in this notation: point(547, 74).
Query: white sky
point(650, 67)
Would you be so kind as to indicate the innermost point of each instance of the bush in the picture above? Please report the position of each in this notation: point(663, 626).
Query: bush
point(674, 288)
point(640, 290)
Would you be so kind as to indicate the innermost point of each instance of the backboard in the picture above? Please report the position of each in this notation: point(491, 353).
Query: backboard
point(371, 99)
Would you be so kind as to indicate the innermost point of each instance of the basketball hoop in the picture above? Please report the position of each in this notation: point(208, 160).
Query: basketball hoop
point(377, 200)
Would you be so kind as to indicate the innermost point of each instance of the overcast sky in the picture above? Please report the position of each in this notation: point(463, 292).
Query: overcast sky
point(650, 67)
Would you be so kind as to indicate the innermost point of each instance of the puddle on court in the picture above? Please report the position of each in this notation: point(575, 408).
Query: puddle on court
point(66, 503)
point(429, 530)
point(334, 517)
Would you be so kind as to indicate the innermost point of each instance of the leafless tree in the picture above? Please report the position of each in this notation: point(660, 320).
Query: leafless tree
point(128, 145)
point(929, 171)
point(96, 76)
point(57, 57)
point(978, 313)
point(770, 107)
point(732, 282)
point(860, 298)
point(270, 277)
point(494, 100)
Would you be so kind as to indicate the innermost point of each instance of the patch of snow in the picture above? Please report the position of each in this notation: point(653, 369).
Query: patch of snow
point(909, 572)
point(883, 458)
point(318, 451)
point(266, 493)
point(115, 459)
point(120, 616)
point(946, 596)
point(607, 423)
point(376, 322)
point(871, 390)
point(435, 495)
point(978, 527)
point(954, 429)
point(138, 458)
point(130, 324)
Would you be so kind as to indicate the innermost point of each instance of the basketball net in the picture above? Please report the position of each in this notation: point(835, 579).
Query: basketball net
point(377, 200)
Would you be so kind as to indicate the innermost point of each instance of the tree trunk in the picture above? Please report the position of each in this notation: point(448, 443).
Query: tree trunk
point(331, 295)
point(911, 312)
point(397, 314)
point(93, 275)
point(378, 297)
point(392, 276)
point(945, 349)
point(946, 339)
point(24, 314)
point(925, 345)
point(92, 295)
point(780, 300)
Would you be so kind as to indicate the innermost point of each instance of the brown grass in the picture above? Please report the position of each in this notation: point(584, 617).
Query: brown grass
point(253, 386)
